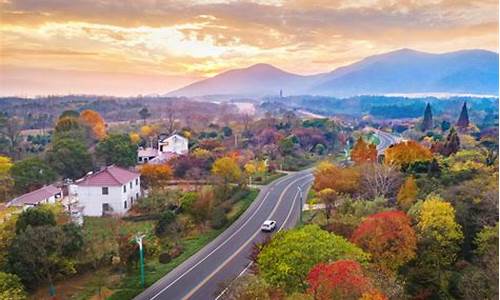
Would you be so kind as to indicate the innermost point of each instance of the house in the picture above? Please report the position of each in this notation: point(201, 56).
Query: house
point(44, 195)
point(112, 190)
point(168, 148)
point(174, 144)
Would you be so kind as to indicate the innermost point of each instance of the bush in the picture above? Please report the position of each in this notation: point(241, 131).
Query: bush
point(11, 287)
point(165, 220)
point(164, 258)
point(35, 217)
point(218, 217)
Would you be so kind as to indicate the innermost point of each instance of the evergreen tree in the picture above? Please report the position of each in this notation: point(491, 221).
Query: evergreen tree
point(463, 120)
point(452, 144)
point(427, 124)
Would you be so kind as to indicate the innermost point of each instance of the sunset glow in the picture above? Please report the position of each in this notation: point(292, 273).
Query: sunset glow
point(143, 47)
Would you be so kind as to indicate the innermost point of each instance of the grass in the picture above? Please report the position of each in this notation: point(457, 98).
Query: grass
point(270, 178)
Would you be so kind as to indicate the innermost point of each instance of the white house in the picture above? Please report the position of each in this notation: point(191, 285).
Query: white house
point(44, 195)
point(113, 190)
point(168, 148)
point(175, 144)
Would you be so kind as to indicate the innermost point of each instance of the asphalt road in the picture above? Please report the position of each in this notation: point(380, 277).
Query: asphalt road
point(386, 140)
point(205, 275)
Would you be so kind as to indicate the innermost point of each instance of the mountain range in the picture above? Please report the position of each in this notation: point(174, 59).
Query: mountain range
point(401, 71)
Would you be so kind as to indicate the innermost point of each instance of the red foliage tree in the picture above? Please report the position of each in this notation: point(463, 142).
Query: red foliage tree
point(343, 279)
point(363, 152)
point(388, 237)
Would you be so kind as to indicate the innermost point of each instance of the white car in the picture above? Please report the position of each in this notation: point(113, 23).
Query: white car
point(268, 225)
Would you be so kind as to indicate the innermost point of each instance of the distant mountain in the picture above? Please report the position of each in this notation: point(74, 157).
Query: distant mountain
point(401, 71)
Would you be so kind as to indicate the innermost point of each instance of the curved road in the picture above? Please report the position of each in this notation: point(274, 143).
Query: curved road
point(386, 140)
point(204, 275)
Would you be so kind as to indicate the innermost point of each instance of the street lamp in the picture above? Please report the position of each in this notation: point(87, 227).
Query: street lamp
point(138, 240)
point(299, 189)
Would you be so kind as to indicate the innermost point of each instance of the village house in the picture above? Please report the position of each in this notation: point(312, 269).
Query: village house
point(168, 148)
point(45, 195)
point(112, 190)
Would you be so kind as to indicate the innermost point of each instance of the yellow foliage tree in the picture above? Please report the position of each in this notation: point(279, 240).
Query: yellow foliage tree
point(342, 180)
point(6, 181)
point(407, 194)
point(135, 138)
point(155, 175)
point(363, 152)
point(406, 153)
point(94, 120)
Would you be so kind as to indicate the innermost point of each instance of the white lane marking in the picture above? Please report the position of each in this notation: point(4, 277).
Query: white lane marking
point(251, 262)
point(217, 248)
point(202, 283)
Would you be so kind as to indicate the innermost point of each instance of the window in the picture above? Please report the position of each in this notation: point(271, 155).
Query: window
point(125, 188)
point(137, 181)
point(125, 204)
point(131, 185)
point(136, 195)
point(105, 207)
point(105, 190)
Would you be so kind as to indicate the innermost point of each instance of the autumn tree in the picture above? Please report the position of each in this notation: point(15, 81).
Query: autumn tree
point(379, 180)
point(6, 182)
point(95, 122)
point(407, 194)
point(287, 259)
point(452, 143)
point(342, 180)
point(439, 239)
point(135, 138)
point(155, 175)
point(328, 197)
point(342, 279)
point(388, 237)
point(363, 152)
point(228, 170)
point(11, 287)
point(406, 153)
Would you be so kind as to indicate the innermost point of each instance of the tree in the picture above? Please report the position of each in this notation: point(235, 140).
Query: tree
point(342, 279)
point(71, 127)
point(427, 124)
point(226, 168)
point(406, 153)
point(407, 194)
point(38, 255)
point(452, 143)
point(10, 129)
point(11, 287)
point(69, 158)
point(165, 220)
point(31, 173)
point(39, 216)
point(342, 180)
point(144, 114)
point(439, 239)
point(389, 238)
point(95, 122)
point(287, 259)
point(117, 149)
point(445, 125)
point(155, 175)
point(463, 119)
point(363, 152)
point(6, 182)
point(379, 180)
point(328, 197)
point(135, 138)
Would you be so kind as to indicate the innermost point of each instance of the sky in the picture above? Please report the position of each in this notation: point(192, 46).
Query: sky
point(132, 47)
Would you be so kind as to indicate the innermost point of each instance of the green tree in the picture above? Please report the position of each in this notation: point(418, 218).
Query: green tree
point(165, 220)
point(38, 255)
point(31, 173)
point(287, 259)
point(38, 216)
point(69, 158)
point(117, 149)
point(11, 287)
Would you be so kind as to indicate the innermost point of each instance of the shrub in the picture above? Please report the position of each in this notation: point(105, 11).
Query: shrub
point(218, 217)
point(164, 258)
point(165, 220)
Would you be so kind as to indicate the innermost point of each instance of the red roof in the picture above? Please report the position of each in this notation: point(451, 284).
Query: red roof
point(110, 176)
point(35, 196)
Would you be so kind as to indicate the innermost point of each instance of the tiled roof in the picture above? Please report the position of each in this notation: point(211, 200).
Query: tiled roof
point(110, 176)
point(174, 137)
point(163, 157)
point(35, 196)
point(148, 152)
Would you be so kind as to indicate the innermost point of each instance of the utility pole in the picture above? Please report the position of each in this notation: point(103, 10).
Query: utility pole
point(138, 240)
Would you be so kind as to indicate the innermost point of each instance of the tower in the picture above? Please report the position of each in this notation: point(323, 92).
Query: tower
point(427, 124)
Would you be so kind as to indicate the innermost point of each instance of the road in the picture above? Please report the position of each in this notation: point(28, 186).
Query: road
point(204, 275)
point(386, 140)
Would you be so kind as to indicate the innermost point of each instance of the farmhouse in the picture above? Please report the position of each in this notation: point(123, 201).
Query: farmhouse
point(168, 148)
point(44, 195)
point(113, 190)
